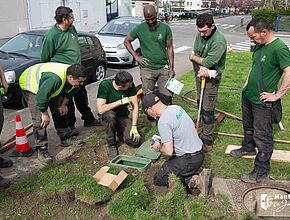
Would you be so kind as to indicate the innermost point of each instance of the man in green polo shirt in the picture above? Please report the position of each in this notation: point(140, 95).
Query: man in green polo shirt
point(272, 58)
point(114, 96)
point(157, 60)
point(209, 54)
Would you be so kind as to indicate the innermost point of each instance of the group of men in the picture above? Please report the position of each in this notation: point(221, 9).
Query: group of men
point(179, 138)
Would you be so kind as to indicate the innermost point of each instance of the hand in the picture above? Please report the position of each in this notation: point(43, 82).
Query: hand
point(125, 101)
point(203, 71)
point(63, 110)
point(156, 146)
point(5, 86)
point(171, 73)
point(44, 119)
point(268, 97)
point(191, 56)
point(134, 134)
point(141, 60)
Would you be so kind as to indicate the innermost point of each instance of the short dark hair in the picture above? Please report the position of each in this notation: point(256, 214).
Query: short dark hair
point(122, 78)
point(76, 71)
point(61, 13)
point(259, 23)
point(204, 19)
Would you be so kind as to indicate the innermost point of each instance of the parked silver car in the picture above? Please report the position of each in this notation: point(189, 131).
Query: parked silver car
point(112, 36)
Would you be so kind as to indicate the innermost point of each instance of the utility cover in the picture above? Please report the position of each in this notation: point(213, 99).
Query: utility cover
point(146, 151)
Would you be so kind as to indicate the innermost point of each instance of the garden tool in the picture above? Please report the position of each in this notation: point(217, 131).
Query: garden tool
point(200, 102)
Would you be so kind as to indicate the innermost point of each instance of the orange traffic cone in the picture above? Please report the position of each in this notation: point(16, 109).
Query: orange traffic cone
point(231, 49)
point(22, 145)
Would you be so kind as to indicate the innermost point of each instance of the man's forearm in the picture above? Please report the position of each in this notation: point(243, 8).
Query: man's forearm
point(285, 85)
point(129, 47)
point(170, 54)
point(197, 59)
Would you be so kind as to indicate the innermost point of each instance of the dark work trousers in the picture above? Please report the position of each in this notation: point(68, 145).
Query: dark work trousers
point(258, 127)
point(208, 105)
point(150, 77)
point(115, 125)
point(60, 122)
point(183, 167)
point(82, 104)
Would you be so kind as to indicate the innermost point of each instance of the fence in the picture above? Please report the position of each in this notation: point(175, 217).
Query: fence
point(282, 23)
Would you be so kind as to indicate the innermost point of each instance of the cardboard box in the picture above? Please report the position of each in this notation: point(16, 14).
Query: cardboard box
point(109, 180)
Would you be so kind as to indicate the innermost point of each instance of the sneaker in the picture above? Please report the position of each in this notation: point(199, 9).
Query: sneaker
point(205, 182)
point(254, 177)
point(242, 152)
point(93, 123)
point(4, 183)
point(4, 163)
point(74, 131)
point(74, 142)
point(112, 151)
point(44, 157)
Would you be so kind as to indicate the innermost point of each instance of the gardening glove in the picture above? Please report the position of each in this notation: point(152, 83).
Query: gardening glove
point(134, 134)
point(125, 101)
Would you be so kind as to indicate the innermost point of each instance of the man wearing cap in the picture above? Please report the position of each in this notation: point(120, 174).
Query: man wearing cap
point(179, 140)
point(114, 96)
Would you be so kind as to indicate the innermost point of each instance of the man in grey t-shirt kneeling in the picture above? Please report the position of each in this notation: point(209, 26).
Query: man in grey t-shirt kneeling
point(179, 140)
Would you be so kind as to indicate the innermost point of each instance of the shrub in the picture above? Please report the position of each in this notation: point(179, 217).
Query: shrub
point(268, 13)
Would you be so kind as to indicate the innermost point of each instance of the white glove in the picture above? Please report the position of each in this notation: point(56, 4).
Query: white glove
point(212, 73)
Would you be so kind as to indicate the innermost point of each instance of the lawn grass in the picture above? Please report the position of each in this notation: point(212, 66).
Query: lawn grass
point(30, 198)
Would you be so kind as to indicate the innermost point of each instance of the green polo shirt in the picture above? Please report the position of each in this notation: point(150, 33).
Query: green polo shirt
point(274, 58)
point(110, 94)
point(153, 44)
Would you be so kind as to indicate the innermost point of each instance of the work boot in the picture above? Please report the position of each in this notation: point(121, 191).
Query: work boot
point(254, 177)
point(74, 142)
point(4, 183)
point(203, 182)
point(44, 157)
point(95, 122)
point(4, 163)
point(112, 151)
point(74, 131)
point(243, 151)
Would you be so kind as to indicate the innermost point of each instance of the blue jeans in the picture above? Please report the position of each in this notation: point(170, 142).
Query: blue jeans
point(257, 123)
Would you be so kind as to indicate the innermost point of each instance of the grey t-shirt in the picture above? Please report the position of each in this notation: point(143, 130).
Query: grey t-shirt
point(175, 125)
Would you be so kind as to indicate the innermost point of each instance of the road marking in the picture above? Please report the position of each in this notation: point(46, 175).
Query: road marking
point(180, 49)
point(224, 25)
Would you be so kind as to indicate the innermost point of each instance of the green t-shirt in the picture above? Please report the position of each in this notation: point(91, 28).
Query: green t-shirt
point(274, 58)
point(213, 50)
point(153, 44)
point(107, 91)
point(61, 46)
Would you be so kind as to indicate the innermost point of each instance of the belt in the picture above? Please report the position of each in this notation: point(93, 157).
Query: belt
point(196, 152)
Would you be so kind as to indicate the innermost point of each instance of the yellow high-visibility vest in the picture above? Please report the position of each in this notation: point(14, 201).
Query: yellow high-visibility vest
point(29, 79)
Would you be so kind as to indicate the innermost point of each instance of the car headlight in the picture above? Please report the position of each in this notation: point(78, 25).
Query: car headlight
point(121, 46)
point(10, 76)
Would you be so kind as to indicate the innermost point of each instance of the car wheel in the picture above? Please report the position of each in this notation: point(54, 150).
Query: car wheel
point(135, 63)
point(100, 72)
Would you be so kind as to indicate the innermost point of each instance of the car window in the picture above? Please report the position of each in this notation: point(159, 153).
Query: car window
point(119, 27)
point(24, 44)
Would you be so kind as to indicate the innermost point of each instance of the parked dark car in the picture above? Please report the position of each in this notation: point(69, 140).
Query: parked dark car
point(23, 50)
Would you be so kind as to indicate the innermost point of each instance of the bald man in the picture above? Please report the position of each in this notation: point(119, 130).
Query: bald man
point(157, 59)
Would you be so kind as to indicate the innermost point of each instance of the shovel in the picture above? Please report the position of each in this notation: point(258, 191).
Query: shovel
point(200, 102)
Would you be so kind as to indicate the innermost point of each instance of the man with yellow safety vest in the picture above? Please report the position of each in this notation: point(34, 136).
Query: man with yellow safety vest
point(51, 85)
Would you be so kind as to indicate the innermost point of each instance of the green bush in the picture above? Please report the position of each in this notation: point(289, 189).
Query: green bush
point(268, 13)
